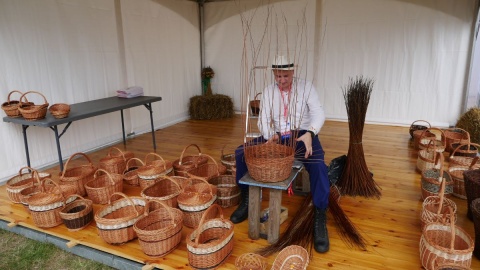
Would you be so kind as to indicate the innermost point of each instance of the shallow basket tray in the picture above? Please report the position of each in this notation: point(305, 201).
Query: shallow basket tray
point(250, 261)
point(291, 257)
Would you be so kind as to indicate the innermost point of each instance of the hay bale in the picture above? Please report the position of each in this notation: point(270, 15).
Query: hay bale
point(211, 107)
point(470, 121)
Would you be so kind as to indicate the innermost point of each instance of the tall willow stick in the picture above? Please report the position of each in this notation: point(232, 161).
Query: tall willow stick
point(356, 179)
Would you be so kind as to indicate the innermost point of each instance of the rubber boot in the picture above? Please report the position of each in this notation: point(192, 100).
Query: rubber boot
point(320, 233)
point(241, 213)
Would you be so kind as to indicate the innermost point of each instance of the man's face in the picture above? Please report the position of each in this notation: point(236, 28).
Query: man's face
point(283, 78)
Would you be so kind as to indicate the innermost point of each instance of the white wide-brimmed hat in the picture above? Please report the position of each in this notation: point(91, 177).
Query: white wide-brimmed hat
point(281, 62)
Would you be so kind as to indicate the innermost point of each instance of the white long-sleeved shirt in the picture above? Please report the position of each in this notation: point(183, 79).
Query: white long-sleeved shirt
point(299, 109)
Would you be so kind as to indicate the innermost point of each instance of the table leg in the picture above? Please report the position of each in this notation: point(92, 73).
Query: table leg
point(151, 124)
point(123, 128)
point(25, 142)
point(254, 205)
point(274, 206)
point(59, 151)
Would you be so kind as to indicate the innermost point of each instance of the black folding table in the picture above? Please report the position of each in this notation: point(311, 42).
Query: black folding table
point(84, 110)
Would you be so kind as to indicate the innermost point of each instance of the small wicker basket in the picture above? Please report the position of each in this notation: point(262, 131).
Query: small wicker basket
point(101, 187)
point(437, 209)
point(291, 257)
point(455, 135)
point(251, 261)
point(77, 214)
point(130, 175)
point(416, 126)
point(166, 190)
point(113, 163)
point(59, 110)
point(466, 159)
point(228, 160)
point(10, 107)
point(80, 175)
point(228, 192)
point(153, 169)
point(207, 170)
point(33, 112)
point(439, 141)
point(185, 163)
point(255, 105)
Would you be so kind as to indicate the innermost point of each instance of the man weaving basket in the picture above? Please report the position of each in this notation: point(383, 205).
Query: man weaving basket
point(291, 114)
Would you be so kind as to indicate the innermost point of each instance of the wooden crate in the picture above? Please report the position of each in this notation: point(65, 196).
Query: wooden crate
point(264, 224)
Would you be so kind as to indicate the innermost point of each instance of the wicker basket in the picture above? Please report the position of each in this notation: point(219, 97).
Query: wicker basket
point(228, 160)
point(45, 206)
point(255, 105)
point(426, 137)
point(10, 107)
point(153, 169)
point(59, 110)
point(291, 257)
point(431, 182)
point(439, 141)
point(472, 188)
point(159, 231)
point(166, 190)
point(103, 186)
point(113, 163)
point(467, 158)
point(456, 172)
point(475, 206)
point(78, 176)
point(428, 158)
point(130, 175)
point(250, 261)
point(211, 243)
point(33, 112)
point(228, 192)
point(207, 170)
point(22, 181)
point(455, 135)
point(465, 150)
point(77, 214)
point(116, 219)
point(449, 266)
point(416, 126)
point(269, 162)
point(437, 209)
point(194, 200)
point(185, 163)
point(441, 244)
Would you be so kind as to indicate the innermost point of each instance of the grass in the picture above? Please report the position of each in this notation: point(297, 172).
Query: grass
point(19, 252)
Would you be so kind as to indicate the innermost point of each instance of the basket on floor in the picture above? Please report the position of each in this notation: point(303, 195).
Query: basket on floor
point(159, 231)
point(255, 105)
point(449, 266)
point(228, 160)
point(475, 206)
point(33, 112)
point(432, 179)
point(101, 187)
point(425, 135)
point(269, 162)
point(439, 141)
point(130, 175)
point(77, 214)
point(45, 206)
point(428, 158)
point(78, 176)
point(22, 181)
point(418, 125)
point(464, 149)
point(228, 192)
point(210, 244)
point(166, 190)
point(445, 243)
point(472, 188)
point(10, 107)
point(113, 163)
point(207, 170)
point(291, 257)
point(185, 163)
point(116, 219)
point(59, 110)
point(194, 200)
point(455, 135)
point(456, 172)
point(250, 261)
point(437, 209)
point(153, 169)
point(466, 158)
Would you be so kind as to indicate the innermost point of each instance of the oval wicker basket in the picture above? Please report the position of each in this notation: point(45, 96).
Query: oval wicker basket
point(466, 159)
point(78, 176)
point(101, 187)
point(59, 110)
point(33, 112)
point(185, 163)
point(130, 175)
point(10, 107)
point(153, 169)
point(439, 141)
point(45, 206)
point(165, 189)
point(113, 163)
point(22, 181)
point(455, 135)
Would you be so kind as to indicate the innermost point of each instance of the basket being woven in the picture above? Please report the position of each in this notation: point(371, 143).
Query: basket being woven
point(116, 219)
point(210, 244)
point(103, 186)
point(77, 214)
point(185, 163)
point(291, 257)
point(78, 176)
point(166, 189)
point(159, 231)
point(269, 162)
point(194, 200)
point(10, 107)
point(33, 112)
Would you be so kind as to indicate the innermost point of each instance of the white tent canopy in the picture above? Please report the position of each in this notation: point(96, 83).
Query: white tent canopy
point(418, 53)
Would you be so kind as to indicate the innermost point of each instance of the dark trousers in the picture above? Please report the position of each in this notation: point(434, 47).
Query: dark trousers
point(315, 166)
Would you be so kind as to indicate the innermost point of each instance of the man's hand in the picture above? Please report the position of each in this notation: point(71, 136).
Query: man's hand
point(307, 140)
point(274, 138)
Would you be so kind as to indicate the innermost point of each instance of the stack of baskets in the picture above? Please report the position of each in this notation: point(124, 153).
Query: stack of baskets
point(194, 200)
point(78, 176)
point(210, 244)
point(269, 162)
point(166, 189)
point(101, 187)
point(10, 107)
point(185, 163)
point(32, 112)
point(77, 214)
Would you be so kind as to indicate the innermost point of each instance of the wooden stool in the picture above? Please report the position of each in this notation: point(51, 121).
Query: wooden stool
point(274, 205)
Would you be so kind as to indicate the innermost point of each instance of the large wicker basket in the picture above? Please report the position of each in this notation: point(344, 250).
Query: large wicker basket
point(455, 135)
point(159, 231)
point(22, 181)
point(166, 190)
point(185, 163)
point(291, 257)
point(116, 219)
point(210, 244)
point(269, 162)
point(101, 187)
point(78, 176)
point(194, 200)
point(33, 112)
point(10, 107)
point(45, 206)
point(77, 214)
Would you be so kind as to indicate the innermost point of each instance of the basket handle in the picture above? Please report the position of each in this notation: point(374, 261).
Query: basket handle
point(165, 177)
point(128, 163)
point(107, 173)
point(463, 144)
point(429, 126)
point(15, 91)
point(169, 209)
point(215, 162)
point(74, 196)
point(183, 152)
point(204, 218)
point(156, 155)
point(127, 198)
point(203, 180)
point(255, 98)
point(474, 161)
point(440, 160)
point(20, 172)
point(24, 94)
point(441, 194)
point(120, 151)
point(57, 187)
point(70, 158)
point(452, 229)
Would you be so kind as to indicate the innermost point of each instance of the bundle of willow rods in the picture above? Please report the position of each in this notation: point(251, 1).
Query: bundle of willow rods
point(356, 179)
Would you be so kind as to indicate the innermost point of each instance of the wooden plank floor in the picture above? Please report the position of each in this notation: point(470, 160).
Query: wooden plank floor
point(391, 225)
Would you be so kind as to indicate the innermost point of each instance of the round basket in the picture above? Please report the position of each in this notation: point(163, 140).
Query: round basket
point(255, 105)
point(78, 176)
point(228, 192)
point(418, 125)
point(251, 261)
point(437, 209)
point(59, 110)
point(441, 244)
point(22, 181)
point(467, 158)
point(269, 162)
point(45, 206)
point(472, 188)
point(431, 182)
point(113, 163)
point(185, 163)
point(228, 160)
point(77, 214)
point(455, 135)
point(211, 243)
point(130, 175)
point(101, 187)
point(116, 219)
point(207, 170)
point(439, 142)
point(166, 189)
point(458, 182)
point(475, 206)
point(194, 200)
point(10, 107)
point(291, 257)
point(33, 112)
point(159, 231)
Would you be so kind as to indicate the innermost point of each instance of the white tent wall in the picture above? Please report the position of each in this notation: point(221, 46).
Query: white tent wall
point(71, 51)
point(417, 52)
